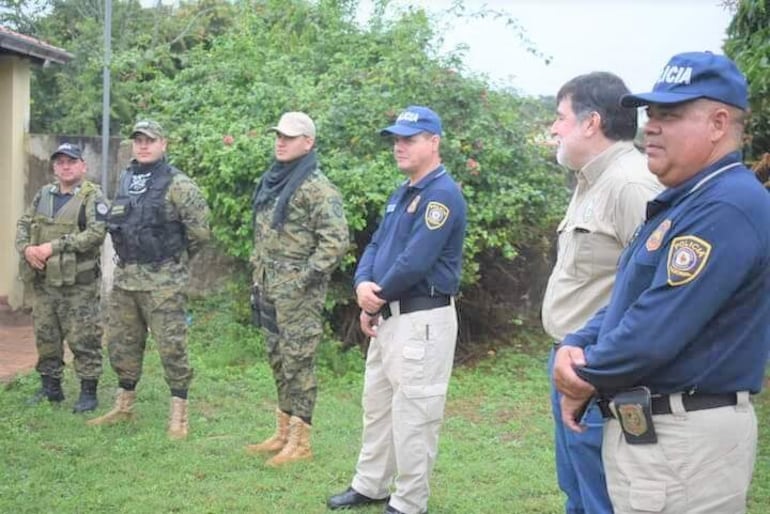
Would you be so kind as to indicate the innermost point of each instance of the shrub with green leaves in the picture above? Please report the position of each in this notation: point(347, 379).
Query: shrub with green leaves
point(353, 80)
point(748, 43)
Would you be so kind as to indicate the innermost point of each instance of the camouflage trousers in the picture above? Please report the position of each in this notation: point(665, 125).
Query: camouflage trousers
point(68, 313)
point(292, 322)
point(130, 315)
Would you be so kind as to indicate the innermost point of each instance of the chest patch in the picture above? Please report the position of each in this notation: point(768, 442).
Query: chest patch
point(138, 183)
point(656, 238)
point(436, 214)
point(687, 257)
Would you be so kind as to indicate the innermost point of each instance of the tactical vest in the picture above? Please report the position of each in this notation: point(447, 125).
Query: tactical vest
point(64, 268)
point(138, 226)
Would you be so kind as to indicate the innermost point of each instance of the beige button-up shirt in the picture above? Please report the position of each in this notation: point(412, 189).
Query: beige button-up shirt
point(607, 206)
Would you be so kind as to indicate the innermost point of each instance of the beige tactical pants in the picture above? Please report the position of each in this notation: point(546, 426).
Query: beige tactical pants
point(407, 373)
point(701, 464)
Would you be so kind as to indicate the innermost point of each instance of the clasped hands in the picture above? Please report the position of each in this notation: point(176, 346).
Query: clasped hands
point(575, 391)
point(370, 303)
point(37, 255)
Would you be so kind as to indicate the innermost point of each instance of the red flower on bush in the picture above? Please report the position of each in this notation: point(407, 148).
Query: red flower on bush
point(472, 165)
point(228, 140)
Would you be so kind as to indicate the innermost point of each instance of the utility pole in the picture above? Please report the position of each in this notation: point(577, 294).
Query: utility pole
point(106, 95)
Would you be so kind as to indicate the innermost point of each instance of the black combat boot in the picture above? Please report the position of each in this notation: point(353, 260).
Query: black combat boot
point(87, 401)
point(52, 389)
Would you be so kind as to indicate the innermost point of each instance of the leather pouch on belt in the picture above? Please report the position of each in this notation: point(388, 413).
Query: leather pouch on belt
point(634, 411)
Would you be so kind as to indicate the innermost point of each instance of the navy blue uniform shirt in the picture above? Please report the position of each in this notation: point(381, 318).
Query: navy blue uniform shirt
point(691, 300)
point(417, 249)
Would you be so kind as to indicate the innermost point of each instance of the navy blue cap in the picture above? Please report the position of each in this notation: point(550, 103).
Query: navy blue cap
point(413, 120)
point(692, 75)
point(68, 149)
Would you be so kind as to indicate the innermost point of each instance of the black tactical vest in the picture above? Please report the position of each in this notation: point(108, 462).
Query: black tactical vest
point(137, 223)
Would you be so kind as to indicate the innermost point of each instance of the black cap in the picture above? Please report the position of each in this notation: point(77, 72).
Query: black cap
point(69, 150)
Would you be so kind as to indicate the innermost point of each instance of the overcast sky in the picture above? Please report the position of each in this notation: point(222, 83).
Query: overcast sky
point(631, 38)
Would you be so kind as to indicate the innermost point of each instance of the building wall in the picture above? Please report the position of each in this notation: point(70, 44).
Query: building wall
point(14, 123)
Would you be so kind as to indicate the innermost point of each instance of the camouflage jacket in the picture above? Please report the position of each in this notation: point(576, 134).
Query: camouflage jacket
point(184, 203)
point(311, 243)
point(85, 236)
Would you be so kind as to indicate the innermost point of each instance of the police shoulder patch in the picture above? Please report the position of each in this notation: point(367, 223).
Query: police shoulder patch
point(687, 256)
point(436, 214)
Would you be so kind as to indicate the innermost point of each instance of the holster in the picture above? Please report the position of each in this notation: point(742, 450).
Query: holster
point(633, 408)
point(256, 316)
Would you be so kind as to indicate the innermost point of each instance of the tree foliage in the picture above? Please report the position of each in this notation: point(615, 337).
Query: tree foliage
point(146, 43)
point(294, 55)
point(748, 43)
point(217, 74)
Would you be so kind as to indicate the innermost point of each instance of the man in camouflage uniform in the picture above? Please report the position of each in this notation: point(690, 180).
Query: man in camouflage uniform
point(59, 240)
point(158, 220)
point(300, 237)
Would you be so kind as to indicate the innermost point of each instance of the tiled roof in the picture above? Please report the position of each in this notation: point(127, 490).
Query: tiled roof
point(19, 44)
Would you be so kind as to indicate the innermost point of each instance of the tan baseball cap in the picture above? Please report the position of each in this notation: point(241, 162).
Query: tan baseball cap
point(295, 124)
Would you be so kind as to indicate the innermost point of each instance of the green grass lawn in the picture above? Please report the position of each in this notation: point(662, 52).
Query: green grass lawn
point(495, 453)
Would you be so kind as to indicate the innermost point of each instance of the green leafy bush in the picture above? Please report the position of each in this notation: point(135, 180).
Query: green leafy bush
point(353, 80)
point(748, 43)
point(219, 73)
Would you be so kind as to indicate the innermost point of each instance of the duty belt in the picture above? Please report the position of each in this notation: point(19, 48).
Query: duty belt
point(417, 303)
point(661, 403)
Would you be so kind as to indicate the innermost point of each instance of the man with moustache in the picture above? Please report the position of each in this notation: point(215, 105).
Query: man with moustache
point(675, 355)
point(59, 238)
point(158, 221)
point(595, 140)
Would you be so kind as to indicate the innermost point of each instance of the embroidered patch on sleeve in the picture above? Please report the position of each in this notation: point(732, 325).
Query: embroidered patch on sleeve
point(436, 215)
point(656, 238)
point(687, 257)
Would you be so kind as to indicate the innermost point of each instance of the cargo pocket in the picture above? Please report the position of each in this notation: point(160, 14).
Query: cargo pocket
point(69, 268)
point(647, 496)
point(429, 400)
point(413, 363)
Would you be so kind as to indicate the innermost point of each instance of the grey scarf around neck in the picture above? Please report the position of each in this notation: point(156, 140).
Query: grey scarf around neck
point(281, 181)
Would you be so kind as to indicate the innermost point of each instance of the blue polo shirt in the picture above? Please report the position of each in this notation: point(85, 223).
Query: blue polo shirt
point(691, 300)
point(417, 249)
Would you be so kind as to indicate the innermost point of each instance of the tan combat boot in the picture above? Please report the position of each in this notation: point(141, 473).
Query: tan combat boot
point(122, 411)
point(177, 420)
point(298, 447)
point(278, 440)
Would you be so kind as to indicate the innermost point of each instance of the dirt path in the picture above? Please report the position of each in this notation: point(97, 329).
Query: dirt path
point(17, 344)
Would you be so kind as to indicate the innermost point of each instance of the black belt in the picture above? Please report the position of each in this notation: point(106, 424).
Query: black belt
point(661, 404)
point(417, 303)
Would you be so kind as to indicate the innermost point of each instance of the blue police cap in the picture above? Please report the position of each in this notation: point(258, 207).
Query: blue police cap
point(413, 120)
point(692, 75)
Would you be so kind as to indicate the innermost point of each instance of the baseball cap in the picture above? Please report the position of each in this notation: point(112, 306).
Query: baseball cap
point(413, 120)
point(68, 149)
point(692, 75)
point(295, 124)
point(149, 128)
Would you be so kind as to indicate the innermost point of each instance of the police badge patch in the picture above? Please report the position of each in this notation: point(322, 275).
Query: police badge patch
point(436, 214)
point(687, 257)
point(632, 418)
